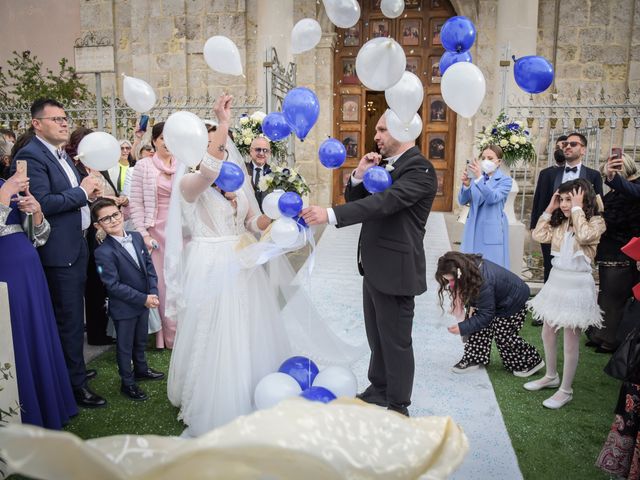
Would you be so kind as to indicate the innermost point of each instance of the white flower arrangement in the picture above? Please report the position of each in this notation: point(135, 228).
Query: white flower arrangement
point(511, 136)
point(250, 127)
point(284, 178)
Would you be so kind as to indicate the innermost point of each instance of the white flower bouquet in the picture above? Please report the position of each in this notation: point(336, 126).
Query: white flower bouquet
point(250, 127)
point(511, 136)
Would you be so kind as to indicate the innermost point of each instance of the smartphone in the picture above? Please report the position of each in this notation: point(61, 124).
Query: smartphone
point(144, 121)
point(21, 167)
point(470, 173)
point(616, 152)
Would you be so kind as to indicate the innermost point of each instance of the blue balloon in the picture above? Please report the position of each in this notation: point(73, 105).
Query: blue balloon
point(533, 74)
point(458, 34)
point(290, 204)
point(275, 127)
point(302, 369)
point(318, 394)
point(449, 58)
point(377, 180)
point(332, 153)
point(301, 109)
point(231, 177)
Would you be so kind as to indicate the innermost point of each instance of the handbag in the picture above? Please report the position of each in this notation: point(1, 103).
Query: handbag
point(625, 361)
point(630, 319)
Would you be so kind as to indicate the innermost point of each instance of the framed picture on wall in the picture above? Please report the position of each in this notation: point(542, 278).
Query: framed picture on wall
point(437, 109)
point(436, 3)
point(410, 30)
point(352, 36)
point(413, 65)
point(436, 26)
point(350, 108)
point(436, 145)
point(349, 76)
point(350, 140)
point(375, 4)
point(440, 177)
point(412, 3)
point(379, 28)
point(434, 70)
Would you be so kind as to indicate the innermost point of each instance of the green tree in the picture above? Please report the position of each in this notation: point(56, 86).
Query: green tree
point(25, 80)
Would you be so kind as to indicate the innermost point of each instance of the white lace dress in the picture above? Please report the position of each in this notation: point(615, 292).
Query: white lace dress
point(229, 333)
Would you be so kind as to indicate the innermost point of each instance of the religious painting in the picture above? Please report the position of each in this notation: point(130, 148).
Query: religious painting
point(436, 3)
point(436, 26)
point(349, 76)
point(410, 31)
point(350, 140)
point(350, 108)
point(434, 70)
point(437, 109)
point(352, 36)
point(436, 144)
point(412, 3)
point(413, 65)
point(440, 177)
point(379, 28)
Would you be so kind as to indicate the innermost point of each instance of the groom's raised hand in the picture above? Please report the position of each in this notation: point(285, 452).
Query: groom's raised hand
point(371, 159)
point(315, 215)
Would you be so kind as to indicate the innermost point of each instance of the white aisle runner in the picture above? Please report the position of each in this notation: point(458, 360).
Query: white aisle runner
point(336, 289)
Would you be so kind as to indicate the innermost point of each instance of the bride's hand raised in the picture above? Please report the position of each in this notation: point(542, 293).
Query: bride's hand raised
point(222, 108)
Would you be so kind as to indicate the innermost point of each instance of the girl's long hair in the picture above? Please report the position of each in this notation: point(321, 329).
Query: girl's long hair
point(589, 203)
point(466, 273)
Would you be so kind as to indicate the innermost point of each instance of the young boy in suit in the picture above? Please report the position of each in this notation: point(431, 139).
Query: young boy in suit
point(125, 268)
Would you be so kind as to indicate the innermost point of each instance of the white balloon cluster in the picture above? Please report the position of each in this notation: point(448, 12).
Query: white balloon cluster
point(404, 99)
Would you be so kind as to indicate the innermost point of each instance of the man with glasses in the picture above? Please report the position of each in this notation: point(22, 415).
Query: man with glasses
point(260, 152)
point(573, 148)
point(64, 197)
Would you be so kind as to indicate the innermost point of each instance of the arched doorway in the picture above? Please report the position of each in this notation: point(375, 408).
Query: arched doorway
point(356, 109)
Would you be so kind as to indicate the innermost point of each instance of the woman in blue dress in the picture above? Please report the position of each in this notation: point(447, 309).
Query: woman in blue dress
point(485, 189)
point(46, 397)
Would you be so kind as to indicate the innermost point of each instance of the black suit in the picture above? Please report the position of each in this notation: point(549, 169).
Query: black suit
point(392, 262)
point(549, 180)
point(265, 170)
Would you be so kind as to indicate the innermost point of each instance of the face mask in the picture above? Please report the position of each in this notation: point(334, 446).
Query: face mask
point(488, 166)
point(558, 156)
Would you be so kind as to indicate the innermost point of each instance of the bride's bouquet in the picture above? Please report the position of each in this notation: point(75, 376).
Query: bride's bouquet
point(285, 179)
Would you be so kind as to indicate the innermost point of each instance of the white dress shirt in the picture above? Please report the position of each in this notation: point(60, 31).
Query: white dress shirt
point(567, 176)
point(127, 242)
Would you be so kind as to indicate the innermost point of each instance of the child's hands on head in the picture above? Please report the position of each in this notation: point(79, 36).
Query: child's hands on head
point(577, 197)
point(554, 203)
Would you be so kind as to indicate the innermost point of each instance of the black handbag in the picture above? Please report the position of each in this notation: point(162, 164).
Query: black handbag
point(625, 361)
point(630, 319)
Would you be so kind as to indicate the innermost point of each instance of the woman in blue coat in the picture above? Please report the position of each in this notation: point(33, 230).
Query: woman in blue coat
point(485, 189)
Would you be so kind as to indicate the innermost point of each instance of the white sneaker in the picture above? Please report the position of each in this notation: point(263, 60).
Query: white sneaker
point(544, 382)
point(531, 371)
point(556, 404)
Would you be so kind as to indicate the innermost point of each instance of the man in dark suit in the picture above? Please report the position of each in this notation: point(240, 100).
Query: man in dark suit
point(124, 265)
point(574, 147)
point(391, 259)
point(260, 152)
point(63, 195)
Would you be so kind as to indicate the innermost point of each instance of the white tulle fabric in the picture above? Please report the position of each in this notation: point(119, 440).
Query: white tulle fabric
point(296, 439)
point(238, 318)
point(569, 298)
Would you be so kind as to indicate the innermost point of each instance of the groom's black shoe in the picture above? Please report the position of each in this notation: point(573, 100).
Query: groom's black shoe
point(91, 373)
point(133, 392)
point(371, 395)
point(150, 374)
point(87, 399)
point(400, 409)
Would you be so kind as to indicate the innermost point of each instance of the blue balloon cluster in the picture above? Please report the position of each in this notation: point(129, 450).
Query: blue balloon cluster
point(449, 58)
point(301, 109)
point(290, 204)
point(275, 127)
point(302, 369)
point(458, 34)
point(377, 180)
point(231, 177)
point(532, 73)
point(332, 153)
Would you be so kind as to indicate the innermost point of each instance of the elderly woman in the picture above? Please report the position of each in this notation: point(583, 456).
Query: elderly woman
point(485, 189)
point(618, 273)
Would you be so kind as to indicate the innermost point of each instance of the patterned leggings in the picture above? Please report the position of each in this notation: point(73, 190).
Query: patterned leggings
point(517, 355)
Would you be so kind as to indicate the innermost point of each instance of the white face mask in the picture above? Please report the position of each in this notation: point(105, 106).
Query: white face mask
point(488, 166)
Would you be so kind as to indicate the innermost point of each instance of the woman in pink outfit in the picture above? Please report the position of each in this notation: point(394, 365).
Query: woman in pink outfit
point(149, 205)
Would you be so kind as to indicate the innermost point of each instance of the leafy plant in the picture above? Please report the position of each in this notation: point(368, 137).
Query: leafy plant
point(6, 412)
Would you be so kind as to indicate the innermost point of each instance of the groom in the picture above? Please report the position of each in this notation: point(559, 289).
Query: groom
point(390, 258)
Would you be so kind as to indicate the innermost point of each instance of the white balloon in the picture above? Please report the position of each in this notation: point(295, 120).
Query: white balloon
point(270, 204)
point(99, 150)
point(463, 87)
point(403, 131)
point(342, 13)
point(186, 137)
point(392, 8)
point(338, 380)
point(273, 388)
point(380, 63)
point(284, 232)
point(222, 55)
point(405, 97)
point(138, 94)
point(305, 35)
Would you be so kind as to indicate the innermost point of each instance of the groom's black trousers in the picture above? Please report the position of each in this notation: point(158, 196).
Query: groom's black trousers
point(388, 322)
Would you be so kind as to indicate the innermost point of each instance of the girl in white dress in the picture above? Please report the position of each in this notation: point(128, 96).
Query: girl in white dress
point(569, 299)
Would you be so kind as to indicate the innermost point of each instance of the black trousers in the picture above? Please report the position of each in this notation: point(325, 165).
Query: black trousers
point(388, 323)
point(131, 340)
point(66, 285)
point(95, 297)
point(546, 259)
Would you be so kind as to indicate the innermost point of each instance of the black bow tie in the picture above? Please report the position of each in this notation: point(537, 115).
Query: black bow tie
point(570, 169)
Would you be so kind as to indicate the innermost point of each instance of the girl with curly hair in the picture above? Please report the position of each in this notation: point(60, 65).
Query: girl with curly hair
point(572, 224)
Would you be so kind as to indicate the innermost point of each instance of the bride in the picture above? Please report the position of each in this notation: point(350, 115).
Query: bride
point(232, 329)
